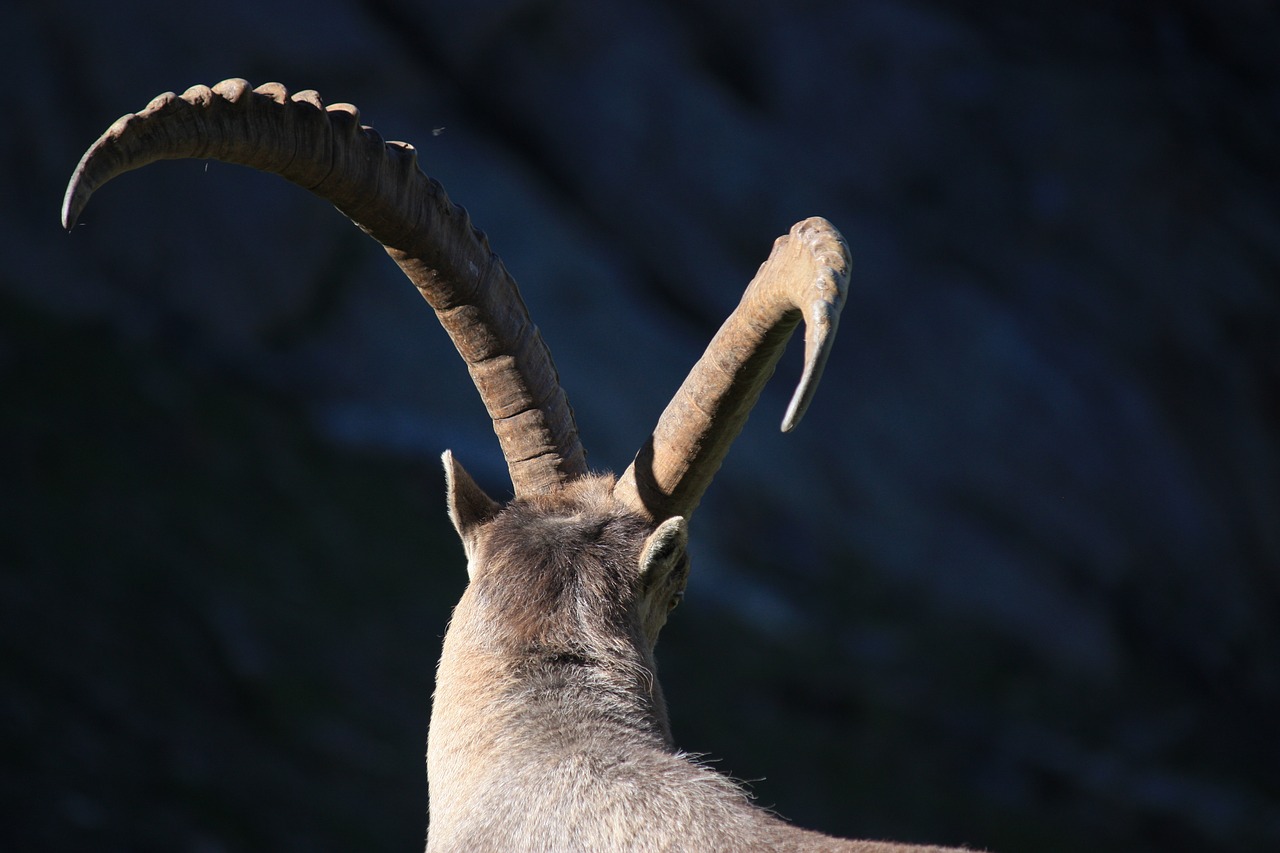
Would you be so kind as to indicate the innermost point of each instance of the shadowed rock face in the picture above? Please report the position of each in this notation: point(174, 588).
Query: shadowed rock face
point(1019, 565)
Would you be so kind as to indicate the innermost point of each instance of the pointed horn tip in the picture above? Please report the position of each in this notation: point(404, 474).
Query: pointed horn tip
point(73, 202)
point(792, 418)
point(803, 395)
point(821, 321)
point(68, 216)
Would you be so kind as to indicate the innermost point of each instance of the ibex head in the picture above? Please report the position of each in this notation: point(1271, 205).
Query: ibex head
point(379, 186)
point(548, 729)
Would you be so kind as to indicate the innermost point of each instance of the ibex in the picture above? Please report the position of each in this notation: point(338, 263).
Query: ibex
point(548, 730)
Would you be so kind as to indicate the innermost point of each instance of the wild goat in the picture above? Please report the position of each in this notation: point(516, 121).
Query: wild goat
point(548, 730)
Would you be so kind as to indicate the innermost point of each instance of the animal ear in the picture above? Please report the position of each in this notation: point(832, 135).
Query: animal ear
point(469, 506)
point(664, 546)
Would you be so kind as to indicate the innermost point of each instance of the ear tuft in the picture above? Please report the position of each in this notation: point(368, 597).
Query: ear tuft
point(469, 506)
point(665, 544)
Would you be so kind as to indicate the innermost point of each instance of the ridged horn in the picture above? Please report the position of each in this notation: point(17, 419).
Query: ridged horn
point(380, 187)
point(806, 276)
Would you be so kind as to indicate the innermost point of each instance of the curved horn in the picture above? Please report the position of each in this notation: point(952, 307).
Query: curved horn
point(806, 275)
point(380, 187)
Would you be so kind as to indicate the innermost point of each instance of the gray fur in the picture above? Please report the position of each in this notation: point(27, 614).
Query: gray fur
point(549, 730)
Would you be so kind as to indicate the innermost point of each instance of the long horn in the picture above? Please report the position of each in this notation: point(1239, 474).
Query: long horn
point(380, 187)
point(806, 275)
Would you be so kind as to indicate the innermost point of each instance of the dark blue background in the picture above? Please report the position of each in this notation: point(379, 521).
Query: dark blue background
point(1014, 583)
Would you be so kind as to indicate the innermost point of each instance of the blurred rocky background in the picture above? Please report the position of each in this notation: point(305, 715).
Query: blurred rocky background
point(1015, 582)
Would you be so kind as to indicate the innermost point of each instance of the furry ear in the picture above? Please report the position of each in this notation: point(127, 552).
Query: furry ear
point(665, 546)
point(664, 571)
point(469, 506)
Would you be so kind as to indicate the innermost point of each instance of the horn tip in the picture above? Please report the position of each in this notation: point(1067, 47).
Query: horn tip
point(73, 202)
point(68, 217)
point(795, 410)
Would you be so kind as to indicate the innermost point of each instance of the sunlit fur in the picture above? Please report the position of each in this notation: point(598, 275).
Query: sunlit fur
point(549, 730)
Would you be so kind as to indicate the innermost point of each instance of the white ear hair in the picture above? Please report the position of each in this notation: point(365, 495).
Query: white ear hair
point(665, 543)
point(469, 506)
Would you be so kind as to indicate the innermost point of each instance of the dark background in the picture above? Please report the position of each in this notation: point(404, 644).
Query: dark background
point(1015, 582)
